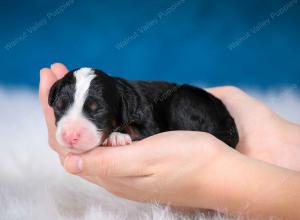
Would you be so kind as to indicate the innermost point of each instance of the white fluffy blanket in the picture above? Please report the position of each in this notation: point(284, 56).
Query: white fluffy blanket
point(33, 185)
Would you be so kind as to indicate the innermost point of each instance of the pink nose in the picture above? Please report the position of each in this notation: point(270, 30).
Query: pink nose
point(71, 138)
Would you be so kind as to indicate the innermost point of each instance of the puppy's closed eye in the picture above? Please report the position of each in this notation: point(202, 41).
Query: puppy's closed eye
point(60, 104)
point(92, 106)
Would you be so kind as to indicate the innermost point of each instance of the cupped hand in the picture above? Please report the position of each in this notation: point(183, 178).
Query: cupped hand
point(264, 135)
point(172, 167)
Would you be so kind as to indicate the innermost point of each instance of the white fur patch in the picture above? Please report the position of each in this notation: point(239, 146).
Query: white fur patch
point(84, 77)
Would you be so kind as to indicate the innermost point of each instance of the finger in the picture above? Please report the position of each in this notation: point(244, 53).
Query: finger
point(47, 79)
point(116, 187)
point(59, 70)
point(221, 90)
point(109, 162)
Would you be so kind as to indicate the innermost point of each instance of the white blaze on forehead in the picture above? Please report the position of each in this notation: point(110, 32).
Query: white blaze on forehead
point(83, 76)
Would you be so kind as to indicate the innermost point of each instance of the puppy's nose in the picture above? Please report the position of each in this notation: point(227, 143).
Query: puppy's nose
point(71, 138)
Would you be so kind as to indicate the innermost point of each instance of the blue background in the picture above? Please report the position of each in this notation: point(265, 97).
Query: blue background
point(188, 44)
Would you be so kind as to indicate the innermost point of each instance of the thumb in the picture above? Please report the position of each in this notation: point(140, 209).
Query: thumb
point(103, 161)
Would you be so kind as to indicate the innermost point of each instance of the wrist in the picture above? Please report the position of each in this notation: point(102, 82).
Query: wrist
point(239, 185)
point(286, 149)
point(211, 180)
point(290, 133)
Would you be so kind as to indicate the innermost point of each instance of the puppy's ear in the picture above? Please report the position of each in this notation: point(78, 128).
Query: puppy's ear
point(125, 109)
point(129, 108)
point(128, 101)
point(53, 93)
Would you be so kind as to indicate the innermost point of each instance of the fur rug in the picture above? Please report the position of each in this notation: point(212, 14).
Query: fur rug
point(33, 185)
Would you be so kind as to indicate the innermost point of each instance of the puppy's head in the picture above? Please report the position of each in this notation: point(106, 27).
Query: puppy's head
point(84, 104)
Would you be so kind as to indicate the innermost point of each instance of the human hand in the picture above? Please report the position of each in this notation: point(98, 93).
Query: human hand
point(264, 135)
point(195, 170)
point(188, 168)
point(174, 167)
point(179, 156)
point(47, 78)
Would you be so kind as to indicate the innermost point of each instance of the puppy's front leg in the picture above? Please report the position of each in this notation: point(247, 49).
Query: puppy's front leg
point(117, 139)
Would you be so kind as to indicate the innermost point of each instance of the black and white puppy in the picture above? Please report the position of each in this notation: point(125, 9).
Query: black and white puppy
point(93, 109)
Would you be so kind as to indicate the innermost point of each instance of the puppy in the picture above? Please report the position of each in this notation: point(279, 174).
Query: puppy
point(92, 109)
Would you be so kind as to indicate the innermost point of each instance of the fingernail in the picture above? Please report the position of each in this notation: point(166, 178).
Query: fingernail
point(52, 65)
point(73, 164)
point(41, 70)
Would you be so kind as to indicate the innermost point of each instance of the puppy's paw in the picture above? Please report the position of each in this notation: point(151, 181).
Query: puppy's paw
point(117, 139)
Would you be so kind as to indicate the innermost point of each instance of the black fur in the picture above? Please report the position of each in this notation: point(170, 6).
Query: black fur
point(61, 95)
point(145, 108)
